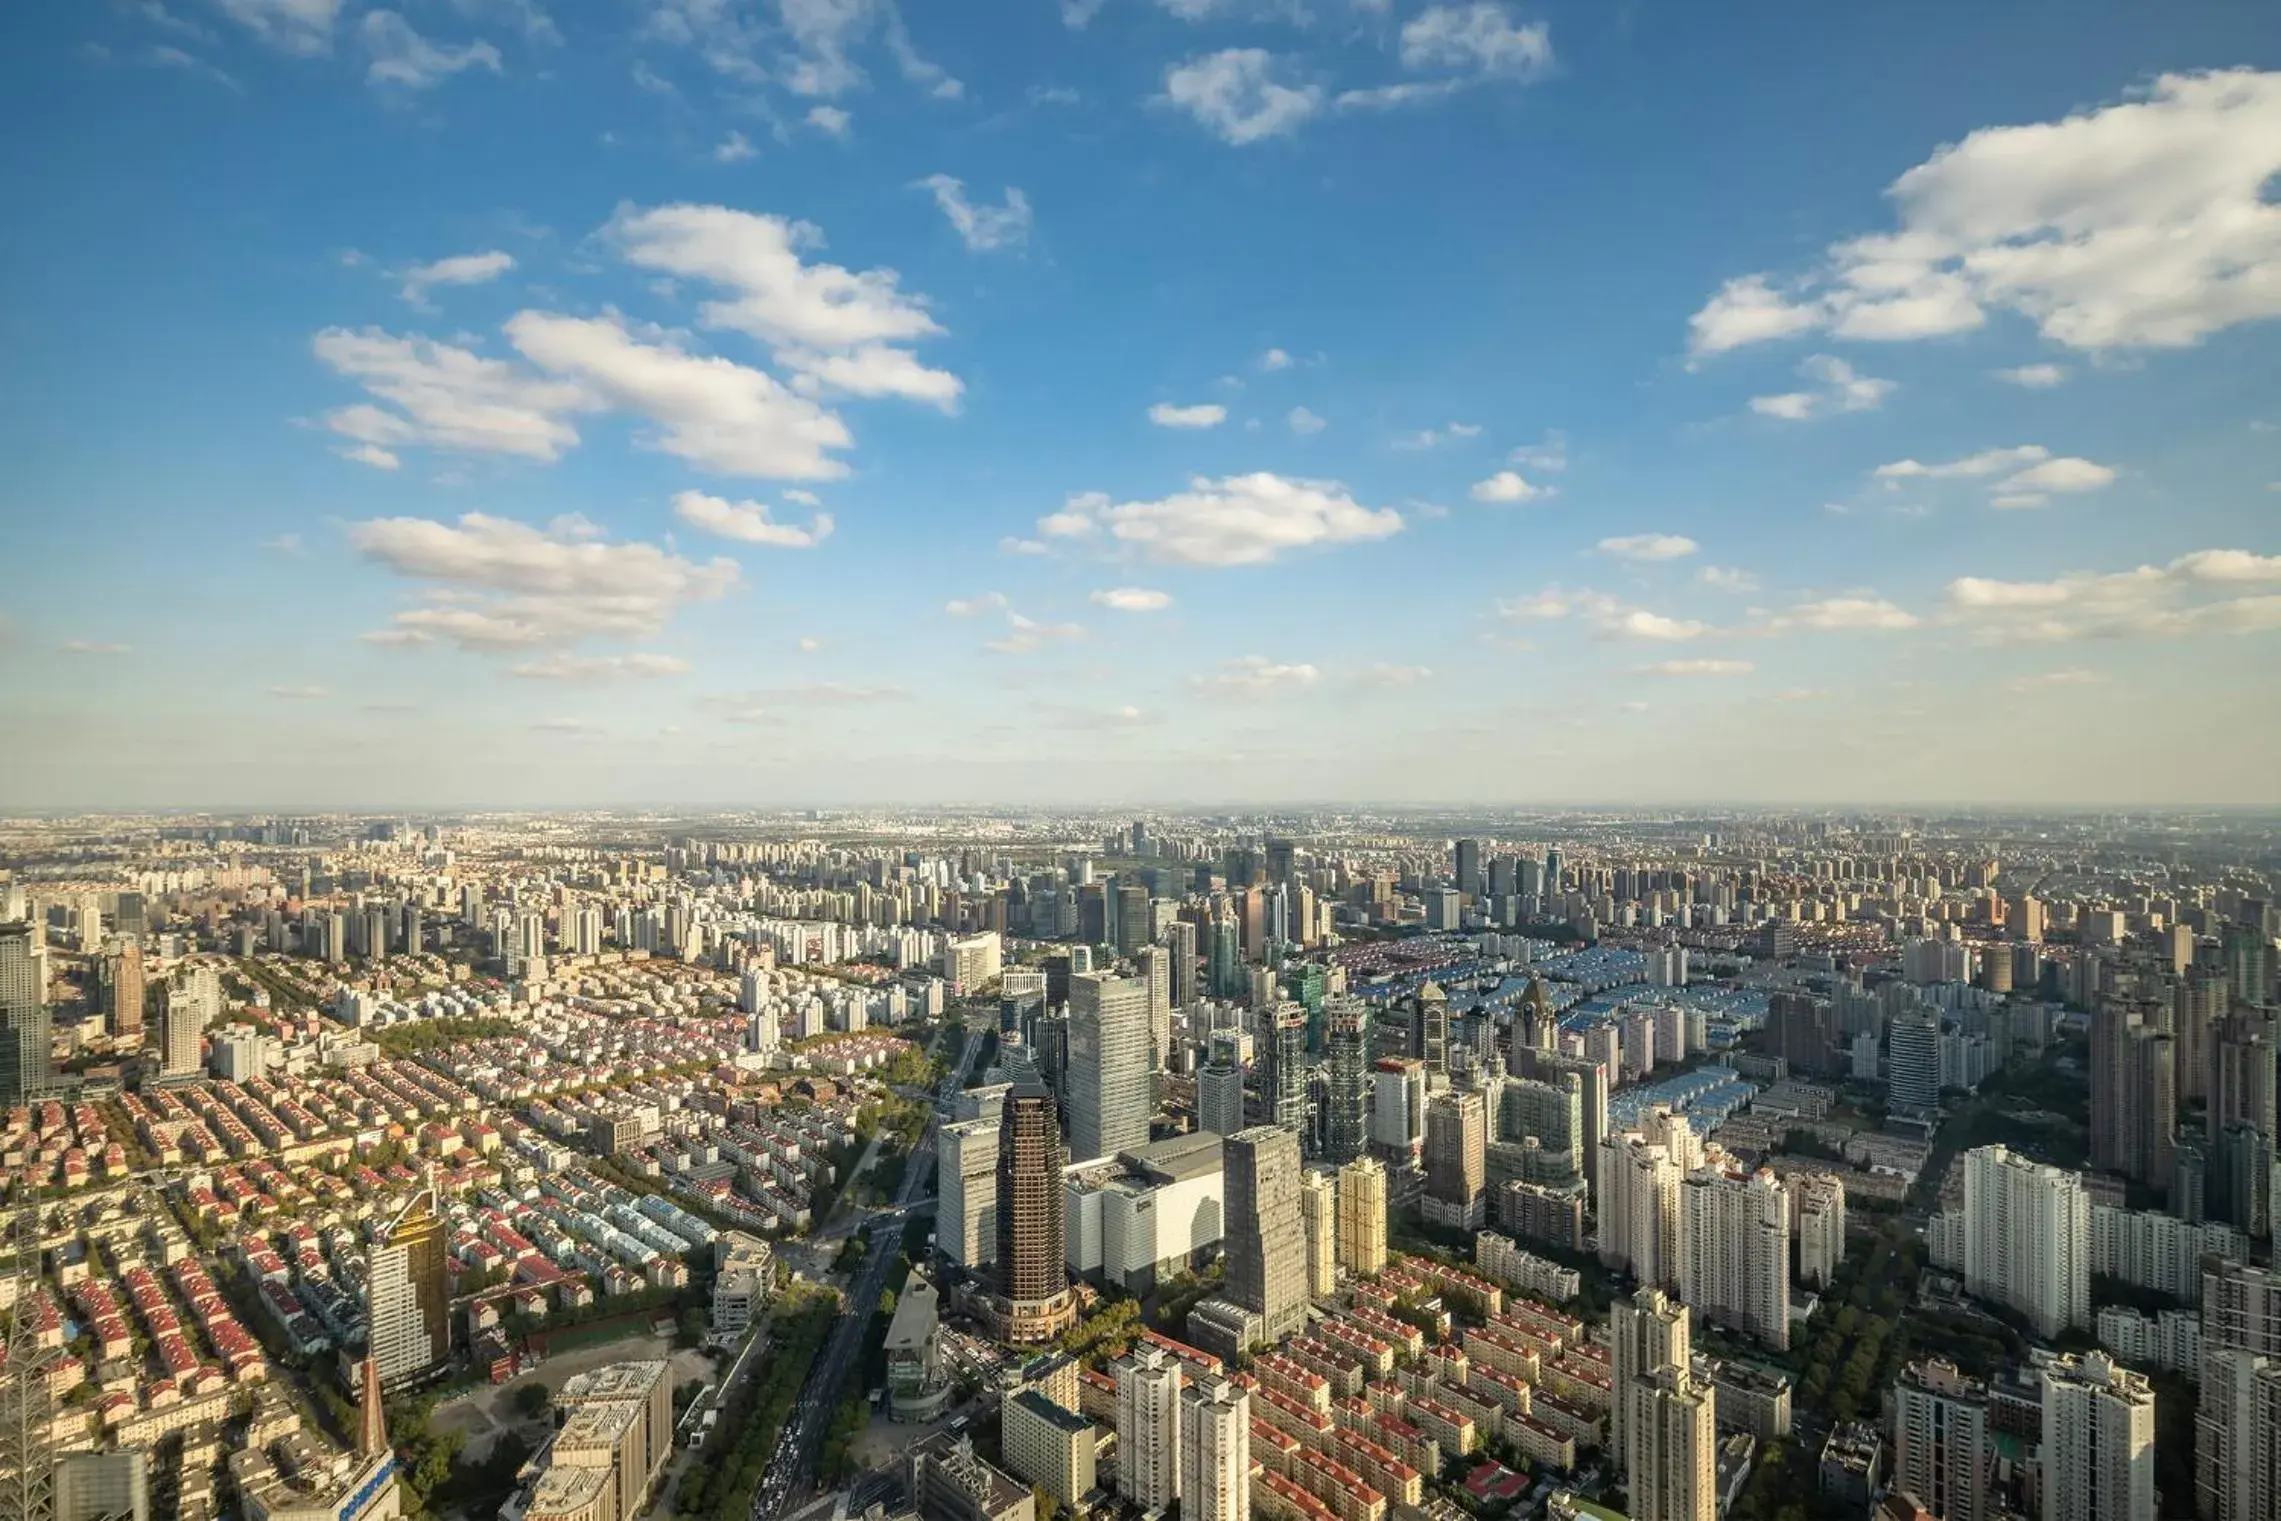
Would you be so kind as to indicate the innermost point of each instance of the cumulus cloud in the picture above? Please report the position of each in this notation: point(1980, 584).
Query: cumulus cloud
point(445, 397)
point(734, 149)
point(600, 668)
point(1304, 422)
point(1236, 520)
point(497, 585)
point(1273, 360)
point(830, 120)
point(1859, 611)
point(459, 269)
point(1132, 599)
point(1242, 95)
point(1387, 674)
point(1838, 388)
point(1256, 676)
point(1507, 486)
point(1434, 438)
point(402, 58)
point(1480, 37)
point(2142, 224)
point(303, 693)
point(1648, 546)
point(1604, 616)
point(984, 227)
point(975, 607)
point(1698, 668)
point(1025, 635)
point(302, 27)
point(2034, 377)
point(1726, 578)
point(1203, 415)
point(2031, 473)
point(749, 522)
point(2211, 591)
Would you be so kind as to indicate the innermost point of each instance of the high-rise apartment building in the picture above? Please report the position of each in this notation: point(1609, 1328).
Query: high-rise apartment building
point(407, 1297)
point(1940, 1441)
point(2098, 1441)
point(1215, 1451)
point(2237, 1422)
point(1820, 1201)
point(1665, 1437)
point(1148, 1382)
point(1362, 1216)
point(966, 1172)
point(1457, 1160)
point(1109, 1072)
point(1346, 1127)
point(1266, 1248)
point(1734, 1250)
point(26, 1035)
point(1318, 1218)
point(189, 1001)
point(1469, 868)
point(2027, 1238)
point(1913, 1062)
point(1033, 1301)
point(1640, 1174)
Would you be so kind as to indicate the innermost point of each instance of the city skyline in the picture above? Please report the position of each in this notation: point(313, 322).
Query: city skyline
point(1139, 403)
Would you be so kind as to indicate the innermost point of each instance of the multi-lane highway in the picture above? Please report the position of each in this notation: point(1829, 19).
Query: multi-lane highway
point(803, 1437)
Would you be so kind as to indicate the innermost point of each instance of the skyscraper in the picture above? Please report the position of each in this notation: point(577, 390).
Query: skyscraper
point(1180, 940)
point(1661, 1432)
point(1431, 1041)
point(1347, 1127)
point(1318, 1221)
point(1940, 1440)
point(1266, 1248)
point(191, 1000)
point(127, 990)
point(1735, 1251)
point(1132, 918)
point(1287, 1066)
point(1033, 1301)
point(1109, 1083)
point(1469, 868)
point(1215, 1451)
point(2237, 1424)
point(1457, 1160)
point(2098, 1441)
point(407, 1298)
point(26, 1037)
point(1913, 1081)
point(1362, 1216)
point(1219, 1086)
point(2027, 1238)
point(1148, 1426)
point(966, 1170)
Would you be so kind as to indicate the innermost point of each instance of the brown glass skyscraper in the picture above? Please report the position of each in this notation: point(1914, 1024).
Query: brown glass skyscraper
point(1033, 1301)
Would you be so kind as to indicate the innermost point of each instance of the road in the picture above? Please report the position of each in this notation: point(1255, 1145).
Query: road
point(803, 1437)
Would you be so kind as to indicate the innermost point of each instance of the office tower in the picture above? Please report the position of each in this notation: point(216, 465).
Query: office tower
point(1318, 1220)
point(1347, 1124)
point(1734, 1252)
point(2237, 1424)
point(1266, 1248)
point(1913, 1062)
point(1457, 1160)
point(1148, 1427)
point(2098, 1441)
point(966, 1216)
point(26, 1036)
point(1215, 1451)
point(1820, 1199)
point(2026, 1238)
point(1430, 1042)
point(1180, 940)
point(1219, 1086)
point(1662, 1432)
point(1940, 1441)
point(1033, 1301)
point(1109, 1083)
point(1156, 972)
point(1398, 1115)
point(1552, 882)
point(1132, 918)
point(1537, 1027)
point(1225, 970)
point(1469, 868)
point(1362, 1216)
point(1286, 1084)
point(127, 990)
point(189, 1002)
point(407, 1298)
point(1803, 1032)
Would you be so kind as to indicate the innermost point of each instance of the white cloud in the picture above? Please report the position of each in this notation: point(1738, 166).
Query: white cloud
point(2035, 377)
point(2031, 472)
point(402, 57)
point(748, 522)
point(1858, 611)
point(1304, 422)
point(1507, 486)
point(1388, 97)
point(1843, 389)
point(1027, 635)
point(1256, 676)
point(1605, 617)
point(1480, 37)
point(1273, 360)
point(284, 544)
point(304, 27)
point(1726, 578)
point(975, 607)
point(2198, 593)
point(446, 398)
point(734, 149)
point(807, 644)
point(1133, 599)
point(1434, 438)
point(600, 668)
point(1237, 95)
point(500, 585)
point(982, 227)
point(460, 269)
point(1205, 415)
point(1986, 462)
point(1649, 546)
point(1698, 668)
point(95, 647)
point(715, 413)
point(2143, 224)
point(1010, 545)
point(830, 120)
point(1236, 520)
point(2063, 474)
point(1552, 454)
point(308, 693)
point(1386, 674)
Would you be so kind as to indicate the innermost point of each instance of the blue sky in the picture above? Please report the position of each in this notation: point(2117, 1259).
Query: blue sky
point(771, 401)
